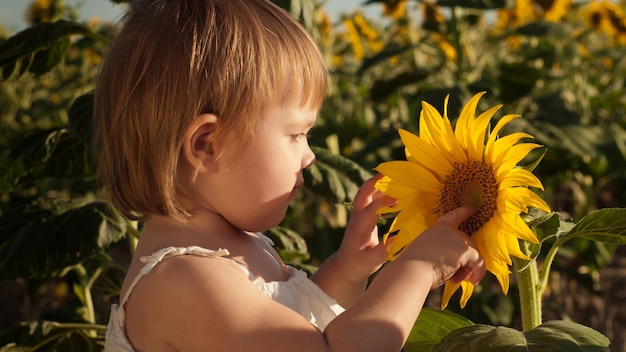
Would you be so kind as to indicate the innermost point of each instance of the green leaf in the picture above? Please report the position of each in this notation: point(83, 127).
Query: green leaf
point(605, 225)
point(40, 336)
point(477, 4)
point(291, 246)
point(81, 118)
point(333, 176)
point(302, 9)
point(517, 79)
point(44, 153)
point(386, 53)
point(531, 167)
point(47, 59)
point(553, 336)
point(431, 326)
point(545, 225)
point(537, 28)
point(381, 89)
point(35, 242)
point(40, 46)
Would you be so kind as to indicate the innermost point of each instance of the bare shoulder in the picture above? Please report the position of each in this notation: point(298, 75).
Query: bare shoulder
point(192, 303)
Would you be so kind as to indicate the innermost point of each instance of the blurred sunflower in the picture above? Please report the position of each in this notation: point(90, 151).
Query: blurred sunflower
point(39, 11)
point(448, 168)
point(554, 10)
point(394, 8)
point(608, 18)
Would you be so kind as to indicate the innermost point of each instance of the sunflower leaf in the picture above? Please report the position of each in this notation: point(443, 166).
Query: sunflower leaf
point(39, 48)
point(605, 225)
point(431, 326)
point(555, 336)
point(544, 225)
point(531, 167)
point(37, 241)
point(291, 246)
point(333, 176)
point(53, 336)
point(477, 4)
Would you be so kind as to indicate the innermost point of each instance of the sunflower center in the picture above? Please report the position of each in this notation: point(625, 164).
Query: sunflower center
point(470, 183)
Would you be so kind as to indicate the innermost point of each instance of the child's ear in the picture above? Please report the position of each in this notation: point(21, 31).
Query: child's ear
point(199, 145)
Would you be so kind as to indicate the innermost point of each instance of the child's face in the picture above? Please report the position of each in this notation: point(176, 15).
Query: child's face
point(254, 191)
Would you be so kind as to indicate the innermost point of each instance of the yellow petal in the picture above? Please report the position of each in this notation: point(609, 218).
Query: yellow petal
point(501, 272)
point(437, 131)
point(468, 289)
point(502, 144)
point(466, 119)
point(489, 148)
point(510, 200)
point(448, 290)
point(490, 240)
point(478, 131)
point(428, 156)
point(403, 177)
point(519, 177)
point(408, 225)
point(430, 121)
point(533, 200)
point(514, 155)
point(513, 223)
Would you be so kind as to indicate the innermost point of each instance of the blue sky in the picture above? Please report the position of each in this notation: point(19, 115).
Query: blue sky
point(12, 11)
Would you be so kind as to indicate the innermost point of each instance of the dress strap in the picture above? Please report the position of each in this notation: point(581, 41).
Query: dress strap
point(170, 252)
point(268, 247)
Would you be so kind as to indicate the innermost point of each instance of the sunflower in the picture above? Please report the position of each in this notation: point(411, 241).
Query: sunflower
point(448, 168)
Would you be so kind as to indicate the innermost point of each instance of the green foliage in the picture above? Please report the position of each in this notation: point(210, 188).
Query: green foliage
point(52, 336)
point(36, 242)
point(40, 48)
point(431, 326)
point(334, 177)
point(605, 225)
point(554, 336)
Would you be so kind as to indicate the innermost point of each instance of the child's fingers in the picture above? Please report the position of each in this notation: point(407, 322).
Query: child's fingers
point(457, 216)
point(474, 268)
point(476, 264)
point(367, 192)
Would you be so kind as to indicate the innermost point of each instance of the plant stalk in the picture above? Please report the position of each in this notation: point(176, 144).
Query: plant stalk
point(530, 298)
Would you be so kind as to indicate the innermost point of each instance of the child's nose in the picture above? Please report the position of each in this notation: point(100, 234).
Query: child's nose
point(309, 158)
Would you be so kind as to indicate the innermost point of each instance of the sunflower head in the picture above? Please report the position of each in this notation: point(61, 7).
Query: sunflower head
point(450, 166)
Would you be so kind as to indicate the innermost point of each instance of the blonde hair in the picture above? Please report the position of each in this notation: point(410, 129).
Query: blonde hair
point(176, 59)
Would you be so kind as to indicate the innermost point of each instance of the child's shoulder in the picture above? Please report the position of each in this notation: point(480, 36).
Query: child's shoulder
point(181, 289)
point(196, 301)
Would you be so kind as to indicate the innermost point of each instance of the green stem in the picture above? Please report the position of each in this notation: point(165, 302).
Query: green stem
point(547, 264)
point(455, 24)
point(84, 291)
point(133, 236)
point(530, 298)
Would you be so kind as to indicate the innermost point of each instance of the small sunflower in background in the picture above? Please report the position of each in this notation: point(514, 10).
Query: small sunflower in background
point(40, 11)
point(447, 168)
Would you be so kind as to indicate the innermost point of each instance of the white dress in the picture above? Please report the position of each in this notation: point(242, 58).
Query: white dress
point(298, 293)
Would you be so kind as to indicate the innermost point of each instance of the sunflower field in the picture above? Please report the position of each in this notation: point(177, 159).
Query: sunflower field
point(560, 64)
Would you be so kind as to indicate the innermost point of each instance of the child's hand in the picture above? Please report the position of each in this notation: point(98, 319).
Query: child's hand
point(451, 252)
point(361, 254)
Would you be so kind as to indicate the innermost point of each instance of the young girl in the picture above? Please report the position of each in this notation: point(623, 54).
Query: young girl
point(202, 113)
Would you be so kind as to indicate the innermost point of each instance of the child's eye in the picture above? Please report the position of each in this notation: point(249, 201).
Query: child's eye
point(300, 136)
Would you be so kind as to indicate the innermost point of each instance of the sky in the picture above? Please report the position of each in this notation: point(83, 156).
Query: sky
point(12, 11)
